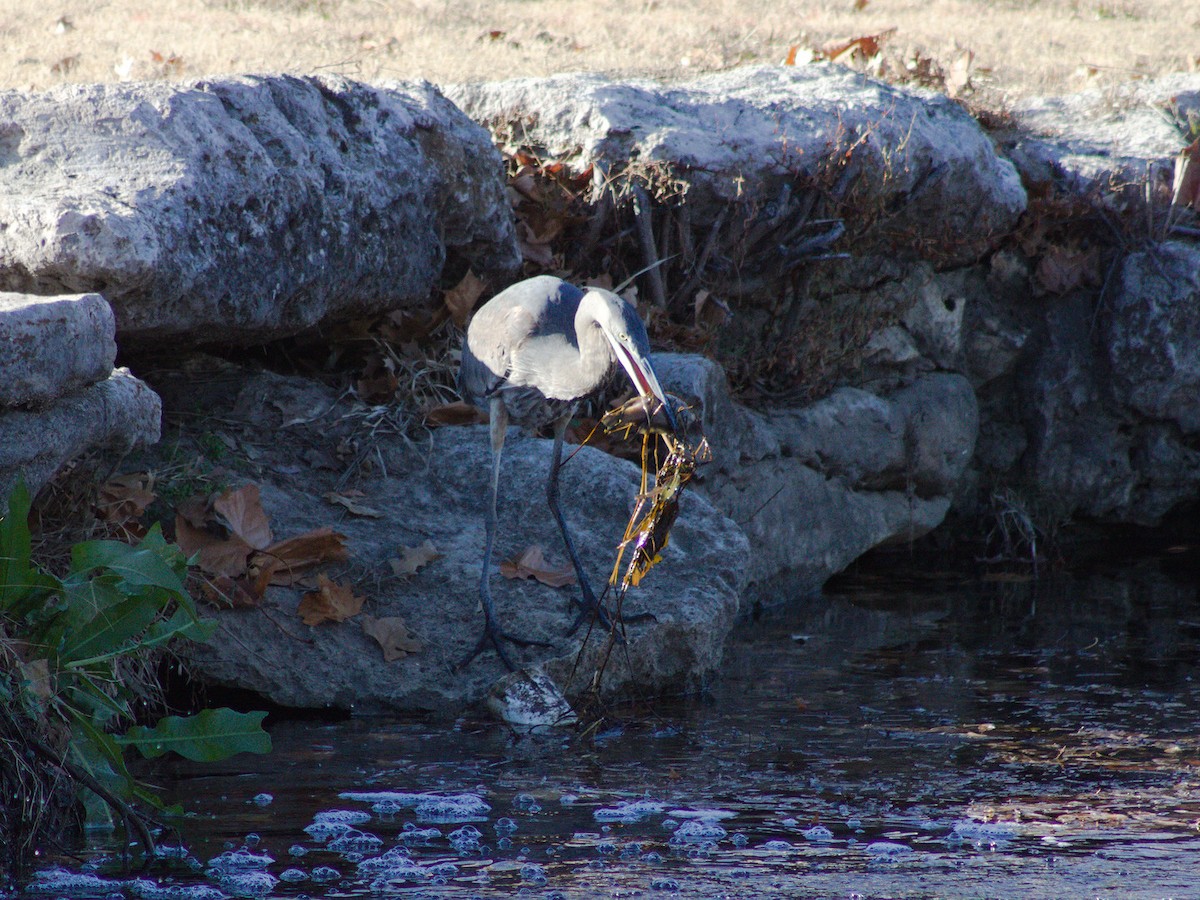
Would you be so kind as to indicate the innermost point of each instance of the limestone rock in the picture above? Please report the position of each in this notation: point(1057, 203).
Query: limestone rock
point(750, 134)
point(51, 346)
point(243, 209)
point(117, 413)
point(437, 492)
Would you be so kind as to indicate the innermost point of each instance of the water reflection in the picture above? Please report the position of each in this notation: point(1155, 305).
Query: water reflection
point(968, 740)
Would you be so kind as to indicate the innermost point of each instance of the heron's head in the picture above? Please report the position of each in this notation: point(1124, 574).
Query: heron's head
point(626, 334)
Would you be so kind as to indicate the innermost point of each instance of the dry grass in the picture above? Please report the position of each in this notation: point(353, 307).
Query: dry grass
point(1021, 47)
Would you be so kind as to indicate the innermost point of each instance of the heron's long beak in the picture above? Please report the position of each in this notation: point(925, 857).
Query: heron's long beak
point(641, 373)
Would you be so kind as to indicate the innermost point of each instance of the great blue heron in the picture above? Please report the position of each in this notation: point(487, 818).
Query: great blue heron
point(531, 354)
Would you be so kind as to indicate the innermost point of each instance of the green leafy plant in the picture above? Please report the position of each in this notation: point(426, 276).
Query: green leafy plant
point(70, 645)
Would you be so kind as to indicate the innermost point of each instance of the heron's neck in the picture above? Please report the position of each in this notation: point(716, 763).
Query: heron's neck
point(595, 353)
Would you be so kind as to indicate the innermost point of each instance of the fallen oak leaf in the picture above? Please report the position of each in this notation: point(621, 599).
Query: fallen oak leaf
point(461, 298)
point(456, 413)
point(532, 563)
point(242, 513)
point(393, 636)
point(124, 497)
point(413, 558)
point(296, 555)
point(214, 555)
point(352, 506)
point(233, 593)
point(330, 602)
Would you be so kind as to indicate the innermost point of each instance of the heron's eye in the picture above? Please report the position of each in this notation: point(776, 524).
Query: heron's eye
point(623, 338)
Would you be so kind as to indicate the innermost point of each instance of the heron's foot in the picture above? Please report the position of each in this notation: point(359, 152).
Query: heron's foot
point(495, 637)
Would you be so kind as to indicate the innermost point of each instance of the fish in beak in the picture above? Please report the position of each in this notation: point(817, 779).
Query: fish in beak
point(641, 373)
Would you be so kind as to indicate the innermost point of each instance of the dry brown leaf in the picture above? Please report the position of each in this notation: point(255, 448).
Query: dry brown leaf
point(242, 513)
point(413, 558)
point(352, 506)
point(532, 563)
point(1186, 189)
point(461, 298)
point(456, 413)
point(124, 497)
point(296, 555)
point(214, 555)
point(393, 636)
point(236, 593)
point(1061, 270)
point(866, 46)
point(330, 602)
point(195, 510)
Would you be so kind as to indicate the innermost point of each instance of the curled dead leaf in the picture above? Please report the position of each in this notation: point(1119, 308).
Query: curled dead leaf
point(461, 298)
point(1186, 188)
point(241, 512)
point(456, 413)
point(352, 506)
point(124, 498)
point(294, 556)
point(215, 555)
point(413, 558)
point(330, 602)
point(393, 636)
point(532, 563)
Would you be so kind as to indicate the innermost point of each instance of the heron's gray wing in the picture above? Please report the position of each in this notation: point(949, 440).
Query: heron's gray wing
point(496, 332)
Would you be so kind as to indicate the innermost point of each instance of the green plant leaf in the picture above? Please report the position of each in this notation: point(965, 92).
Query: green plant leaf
point(112, 631)
point(150, 564)
point(208, 736)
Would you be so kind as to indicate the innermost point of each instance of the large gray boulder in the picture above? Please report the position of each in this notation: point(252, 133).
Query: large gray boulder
point(1107, 138)
point(52, 346)
point(817, 486)
point(436, 491)
point(910, 169)
point(117, 414)
point(238, 210)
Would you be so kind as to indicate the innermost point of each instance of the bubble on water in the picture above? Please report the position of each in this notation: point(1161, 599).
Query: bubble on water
point(247, 884)
point(465, 839)
point(505, 825)
point(447, 869)
point(632, 850)
point(394, 865)
point(556, 895)
point(456, 808)
point(789, 822)
point(355, 841)
point(325, 873)
point(669, 824)
point(145, 889)
point(606, 847)
point(652, 857)
point(344, 816)
point(738, 839)
point(854, 823)
point(887, 848)
point(628, 813)
point(535, 808)
point(818, 833)
point(524, 800)
point(970, 830)
point(534, 874)
point(713, 813)
point(776, 846)
point(263, 799)
point(504, 843)
point(239, 861)
point(297, 850)
point(697, 831)
point(293, 875)
point(412, 835)
point(568, 799)
point(386, 807)
point(664, 884)
point(170, 851)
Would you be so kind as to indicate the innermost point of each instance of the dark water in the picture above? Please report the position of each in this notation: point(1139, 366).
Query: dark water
point(962, 739)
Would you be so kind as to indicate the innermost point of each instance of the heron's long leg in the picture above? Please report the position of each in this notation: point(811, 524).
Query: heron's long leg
point(588, 605)
point(493, 634)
